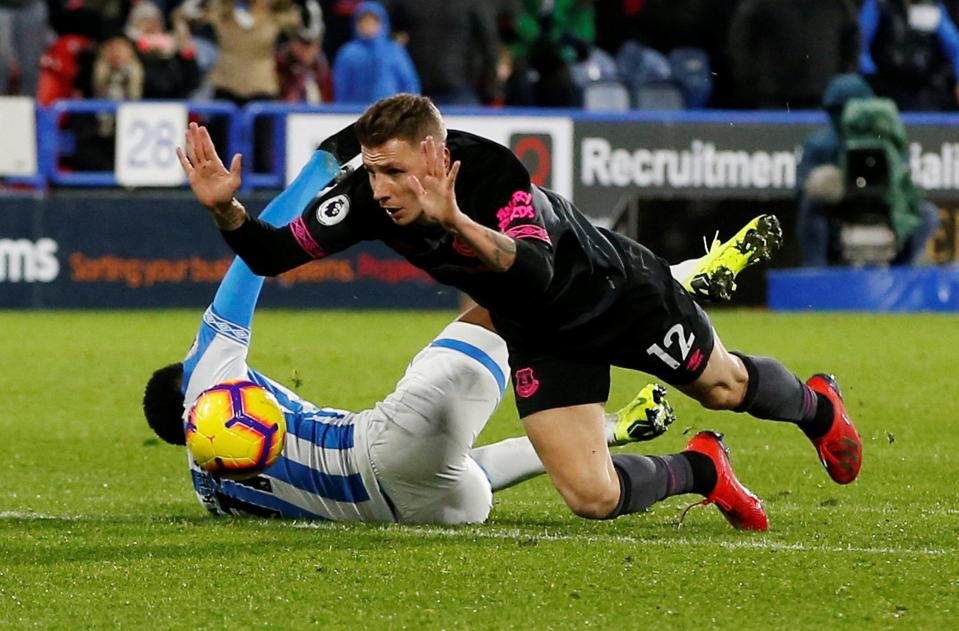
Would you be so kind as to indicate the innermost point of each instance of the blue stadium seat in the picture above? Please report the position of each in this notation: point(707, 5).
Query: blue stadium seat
point(691, 71)
point(605, 95)
point(639, 65)
point(599, 66)
point(664, 95)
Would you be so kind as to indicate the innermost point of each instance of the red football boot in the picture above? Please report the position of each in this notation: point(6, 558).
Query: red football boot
point(738, 505)
point(840, 449)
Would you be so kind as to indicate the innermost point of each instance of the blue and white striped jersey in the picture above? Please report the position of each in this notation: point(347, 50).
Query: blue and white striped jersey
point(324, 471)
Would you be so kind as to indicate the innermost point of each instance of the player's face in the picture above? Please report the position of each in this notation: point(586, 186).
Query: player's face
point(390, 167)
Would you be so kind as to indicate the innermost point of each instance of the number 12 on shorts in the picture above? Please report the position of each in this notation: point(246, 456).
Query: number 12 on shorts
point(673, 335)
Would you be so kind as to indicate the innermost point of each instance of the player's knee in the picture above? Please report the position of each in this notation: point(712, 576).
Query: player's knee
point(721, 397)
point(594, 504)
point(725, 392)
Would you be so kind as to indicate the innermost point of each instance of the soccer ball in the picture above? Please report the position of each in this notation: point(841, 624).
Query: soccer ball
point(235, 430)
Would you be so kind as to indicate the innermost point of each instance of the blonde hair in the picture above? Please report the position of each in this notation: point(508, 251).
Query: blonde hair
point(408, 117)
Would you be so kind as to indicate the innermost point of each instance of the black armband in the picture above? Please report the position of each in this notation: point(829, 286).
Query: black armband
point(532, 267)
point(267, 250)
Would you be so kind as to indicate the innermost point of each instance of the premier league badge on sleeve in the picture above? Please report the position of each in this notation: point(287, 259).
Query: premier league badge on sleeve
point(333, 210)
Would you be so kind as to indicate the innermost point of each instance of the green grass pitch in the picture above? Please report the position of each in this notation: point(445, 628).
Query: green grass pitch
point(99, 526)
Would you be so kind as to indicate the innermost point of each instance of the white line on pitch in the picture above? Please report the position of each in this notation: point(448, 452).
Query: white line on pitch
point(12, 514)
point(882, 510)
point(521, 535)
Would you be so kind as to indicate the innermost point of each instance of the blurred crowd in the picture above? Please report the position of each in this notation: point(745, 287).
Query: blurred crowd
point(597, 54)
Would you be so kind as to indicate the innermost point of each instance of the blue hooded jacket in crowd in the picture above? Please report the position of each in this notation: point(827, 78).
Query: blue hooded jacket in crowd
point(370, 68)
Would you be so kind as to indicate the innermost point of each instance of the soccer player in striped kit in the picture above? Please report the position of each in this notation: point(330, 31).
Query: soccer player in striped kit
point(409, 458)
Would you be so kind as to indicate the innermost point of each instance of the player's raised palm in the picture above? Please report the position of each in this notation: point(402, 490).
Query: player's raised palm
point(212, 184)
point(435, 190)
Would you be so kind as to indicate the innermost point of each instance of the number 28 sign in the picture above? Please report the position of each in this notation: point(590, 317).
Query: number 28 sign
point(147, 137)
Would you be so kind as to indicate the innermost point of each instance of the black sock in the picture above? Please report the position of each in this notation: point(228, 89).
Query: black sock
point(644, 480)
point(821, 422)
point(704, 472)
point(776, 394)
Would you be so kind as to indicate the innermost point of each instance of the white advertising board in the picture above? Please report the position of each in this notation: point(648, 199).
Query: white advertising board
point(544, 143)
point(146, 141)
point(18, 136)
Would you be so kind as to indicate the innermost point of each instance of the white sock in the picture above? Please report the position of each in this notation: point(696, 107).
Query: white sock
point(609, 428)
point(682, 271)
point(508, 462)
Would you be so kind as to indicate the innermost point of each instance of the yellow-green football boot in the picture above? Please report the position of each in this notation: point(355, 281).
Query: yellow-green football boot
point(647, 416)
point(714, 278)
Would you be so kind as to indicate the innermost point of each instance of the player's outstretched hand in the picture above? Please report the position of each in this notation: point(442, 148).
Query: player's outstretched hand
point(212, 184)
point(436, 190)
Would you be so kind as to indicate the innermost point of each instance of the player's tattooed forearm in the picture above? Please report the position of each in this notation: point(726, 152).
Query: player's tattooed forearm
point(495, 249)
point(504, 251)
point(229, 216)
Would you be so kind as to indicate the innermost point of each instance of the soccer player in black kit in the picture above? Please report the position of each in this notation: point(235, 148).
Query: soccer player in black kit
point(571, 299)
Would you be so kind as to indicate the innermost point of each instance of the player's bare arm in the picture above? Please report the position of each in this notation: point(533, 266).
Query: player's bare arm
point(495, 249)
point(436, 193)
point(212, 184)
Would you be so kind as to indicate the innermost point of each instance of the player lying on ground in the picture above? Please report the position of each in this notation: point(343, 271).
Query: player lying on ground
point(410, 457)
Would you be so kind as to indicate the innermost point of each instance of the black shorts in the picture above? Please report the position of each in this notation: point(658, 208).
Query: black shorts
point(667, 335)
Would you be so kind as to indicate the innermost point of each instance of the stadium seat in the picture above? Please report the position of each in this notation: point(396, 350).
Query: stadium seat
point(658, 96)
point(691, 71)
point(599, 66)
point(639, 65)
point(609, 96)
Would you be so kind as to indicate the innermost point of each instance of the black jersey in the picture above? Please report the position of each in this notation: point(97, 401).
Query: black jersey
point(560, 290)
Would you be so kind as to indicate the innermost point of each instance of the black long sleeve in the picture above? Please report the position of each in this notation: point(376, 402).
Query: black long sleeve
point(532, 269)
point(269, 251)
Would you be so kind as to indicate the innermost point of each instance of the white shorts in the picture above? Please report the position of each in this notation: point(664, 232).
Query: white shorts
point(419, 437)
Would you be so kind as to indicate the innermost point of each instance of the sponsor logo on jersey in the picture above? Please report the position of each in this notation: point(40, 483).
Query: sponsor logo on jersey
point(526, 383)
point(333, 210)
point(520, 206)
